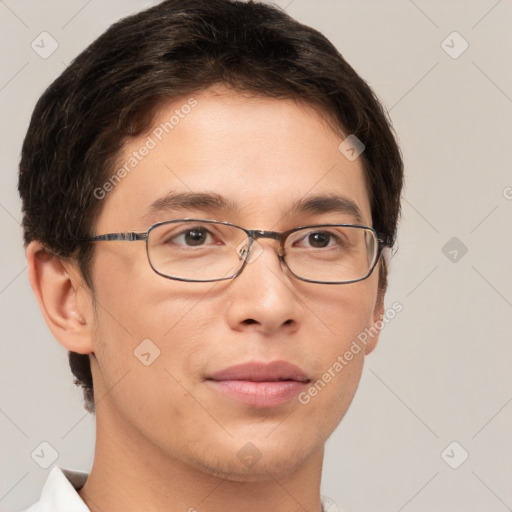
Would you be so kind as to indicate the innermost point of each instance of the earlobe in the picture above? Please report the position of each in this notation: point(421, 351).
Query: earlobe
point(60, 292)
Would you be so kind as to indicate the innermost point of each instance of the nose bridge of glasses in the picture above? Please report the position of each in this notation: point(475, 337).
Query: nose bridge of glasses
point(273, 235)
point(260, 233)
point(255, 234)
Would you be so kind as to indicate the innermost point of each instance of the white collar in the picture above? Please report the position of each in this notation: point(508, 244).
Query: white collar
point(60, 492)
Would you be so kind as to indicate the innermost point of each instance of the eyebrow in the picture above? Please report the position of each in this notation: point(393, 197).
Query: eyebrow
point(328, 203)
point(215, 203)
point(208, 202)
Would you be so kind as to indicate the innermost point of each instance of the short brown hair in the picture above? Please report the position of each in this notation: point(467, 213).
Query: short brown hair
point(112, 90)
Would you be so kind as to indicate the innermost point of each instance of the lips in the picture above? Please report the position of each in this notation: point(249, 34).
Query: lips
point(260, 385)
point(262, 372)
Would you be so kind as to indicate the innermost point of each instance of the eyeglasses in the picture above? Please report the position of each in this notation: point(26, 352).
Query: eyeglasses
point(198, 250)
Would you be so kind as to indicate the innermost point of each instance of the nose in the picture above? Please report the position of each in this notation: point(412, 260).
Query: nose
point(263, 297)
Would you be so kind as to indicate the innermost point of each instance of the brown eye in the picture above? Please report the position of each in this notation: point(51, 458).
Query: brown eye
point(319, 239)
point(195, 236)
point(191, 237)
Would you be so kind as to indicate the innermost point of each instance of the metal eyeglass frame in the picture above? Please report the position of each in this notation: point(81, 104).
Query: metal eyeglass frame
point(252, 235)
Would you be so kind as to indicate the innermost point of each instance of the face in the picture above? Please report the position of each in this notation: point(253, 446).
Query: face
point(189, 404)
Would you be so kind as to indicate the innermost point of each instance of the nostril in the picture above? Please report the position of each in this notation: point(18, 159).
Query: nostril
point(250, 321)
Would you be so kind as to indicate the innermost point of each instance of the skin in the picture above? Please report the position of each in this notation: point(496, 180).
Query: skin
point(165, 439)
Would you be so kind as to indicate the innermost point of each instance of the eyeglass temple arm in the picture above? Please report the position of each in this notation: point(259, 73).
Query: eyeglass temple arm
point(129, 237)
point(386, 240)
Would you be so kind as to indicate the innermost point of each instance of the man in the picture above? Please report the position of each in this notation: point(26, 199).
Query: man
point(208, 192)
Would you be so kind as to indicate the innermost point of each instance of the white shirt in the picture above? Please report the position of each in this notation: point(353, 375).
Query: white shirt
point(60, 493)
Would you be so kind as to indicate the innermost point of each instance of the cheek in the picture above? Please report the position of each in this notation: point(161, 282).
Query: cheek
point(147, 324)
point(134, 301)
point(346, 310)
point(151, 347)
point(347, 315)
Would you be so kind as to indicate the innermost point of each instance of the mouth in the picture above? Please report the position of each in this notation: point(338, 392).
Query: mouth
point(260, 385)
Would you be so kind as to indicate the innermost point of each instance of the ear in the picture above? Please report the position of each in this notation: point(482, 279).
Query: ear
point(65, 300)
point(378, 314)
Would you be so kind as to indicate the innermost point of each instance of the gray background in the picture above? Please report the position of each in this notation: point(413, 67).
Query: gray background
point(441, 372)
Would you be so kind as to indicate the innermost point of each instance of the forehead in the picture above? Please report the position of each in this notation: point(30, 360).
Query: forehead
point(262, 156)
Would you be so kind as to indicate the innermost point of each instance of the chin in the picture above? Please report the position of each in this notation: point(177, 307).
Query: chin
point(249, 463)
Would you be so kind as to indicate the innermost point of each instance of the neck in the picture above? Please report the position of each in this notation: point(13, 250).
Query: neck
point(132, 474)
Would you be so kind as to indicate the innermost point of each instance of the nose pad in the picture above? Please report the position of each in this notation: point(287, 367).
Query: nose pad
point(249, 250)
point(242, 249)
